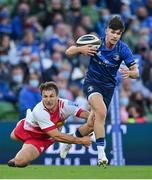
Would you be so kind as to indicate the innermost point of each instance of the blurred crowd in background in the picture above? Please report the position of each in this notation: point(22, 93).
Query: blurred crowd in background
point(34, 35)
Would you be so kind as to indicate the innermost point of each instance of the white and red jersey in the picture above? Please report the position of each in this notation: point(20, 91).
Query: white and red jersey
point(40, 120)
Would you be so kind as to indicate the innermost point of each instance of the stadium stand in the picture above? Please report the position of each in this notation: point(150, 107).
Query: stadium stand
point(34, 36)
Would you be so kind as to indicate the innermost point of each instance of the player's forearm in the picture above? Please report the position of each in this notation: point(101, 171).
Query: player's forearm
point(62, 137)
point(68, 139)
point(134, 74)
point(73, 50)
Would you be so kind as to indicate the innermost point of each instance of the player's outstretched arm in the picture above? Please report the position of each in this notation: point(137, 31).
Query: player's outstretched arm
point(62, 137)
point(86, 50)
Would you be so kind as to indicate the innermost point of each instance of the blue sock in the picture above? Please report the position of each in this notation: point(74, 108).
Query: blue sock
point(78, 134)
point(100, 142)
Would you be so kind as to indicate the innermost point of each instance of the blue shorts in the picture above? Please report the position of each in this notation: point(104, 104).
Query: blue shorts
point(107, 93)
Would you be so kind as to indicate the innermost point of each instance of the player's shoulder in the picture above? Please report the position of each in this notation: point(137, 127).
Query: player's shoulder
point(66, 103)
point(39, 105)
point(122, 47)
point(122, 44)
point(39, 108)
point(40, 111)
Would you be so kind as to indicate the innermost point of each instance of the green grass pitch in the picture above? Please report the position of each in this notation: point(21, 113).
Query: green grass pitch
point(76, 172)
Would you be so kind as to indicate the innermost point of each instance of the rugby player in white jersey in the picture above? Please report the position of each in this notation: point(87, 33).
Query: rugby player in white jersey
point(41, 127)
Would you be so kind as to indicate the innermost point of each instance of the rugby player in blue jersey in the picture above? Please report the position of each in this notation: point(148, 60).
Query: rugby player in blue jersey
point(100, 79)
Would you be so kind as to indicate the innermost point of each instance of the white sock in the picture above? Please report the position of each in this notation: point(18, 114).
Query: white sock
point(101, 152)
point(73, 134)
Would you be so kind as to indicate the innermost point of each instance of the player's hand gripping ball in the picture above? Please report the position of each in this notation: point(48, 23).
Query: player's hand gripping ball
point(89, 39)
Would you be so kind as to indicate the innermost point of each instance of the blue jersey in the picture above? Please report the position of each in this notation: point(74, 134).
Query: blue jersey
point(103, 67)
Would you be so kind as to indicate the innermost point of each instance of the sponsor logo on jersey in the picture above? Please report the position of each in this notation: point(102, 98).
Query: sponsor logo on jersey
point(116, 57)
point(59, 124)
point(90, 88)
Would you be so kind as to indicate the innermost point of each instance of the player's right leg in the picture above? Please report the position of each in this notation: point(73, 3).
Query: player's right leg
point(25, 156)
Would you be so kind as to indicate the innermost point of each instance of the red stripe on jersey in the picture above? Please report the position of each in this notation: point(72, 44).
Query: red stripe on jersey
point(31, 128)
point(55, 116)
point(79, 112)
point(61, 103)
point(36, 130)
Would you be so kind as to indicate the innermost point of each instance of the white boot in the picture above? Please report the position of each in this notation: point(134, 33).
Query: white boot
point(102, 159)
point(64, 150)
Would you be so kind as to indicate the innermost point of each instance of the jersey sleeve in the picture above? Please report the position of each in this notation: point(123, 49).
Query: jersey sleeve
point(43, 119)
point(127, 56)
point(73, 109)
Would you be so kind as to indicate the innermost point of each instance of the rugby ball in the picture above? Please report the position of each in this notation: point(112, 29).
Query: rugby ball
point(89, 39)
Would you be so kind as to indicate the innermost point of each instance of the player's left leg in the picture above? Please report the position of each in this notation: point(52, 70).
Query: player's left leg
point(25, 156)
point(100, 110)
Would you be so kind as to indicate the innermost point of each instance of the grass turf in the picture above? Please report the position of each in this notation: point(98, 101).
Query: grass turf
point(76, 172)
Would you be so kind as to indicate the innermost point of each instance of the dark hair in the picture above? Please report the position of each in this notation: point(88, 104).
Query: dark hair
point(116, 23)
point(49, 86)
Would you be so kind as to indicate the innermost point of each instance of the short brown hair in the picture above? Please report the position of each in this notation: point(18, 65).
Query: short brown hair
point(49, 86)
point(116, 23)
